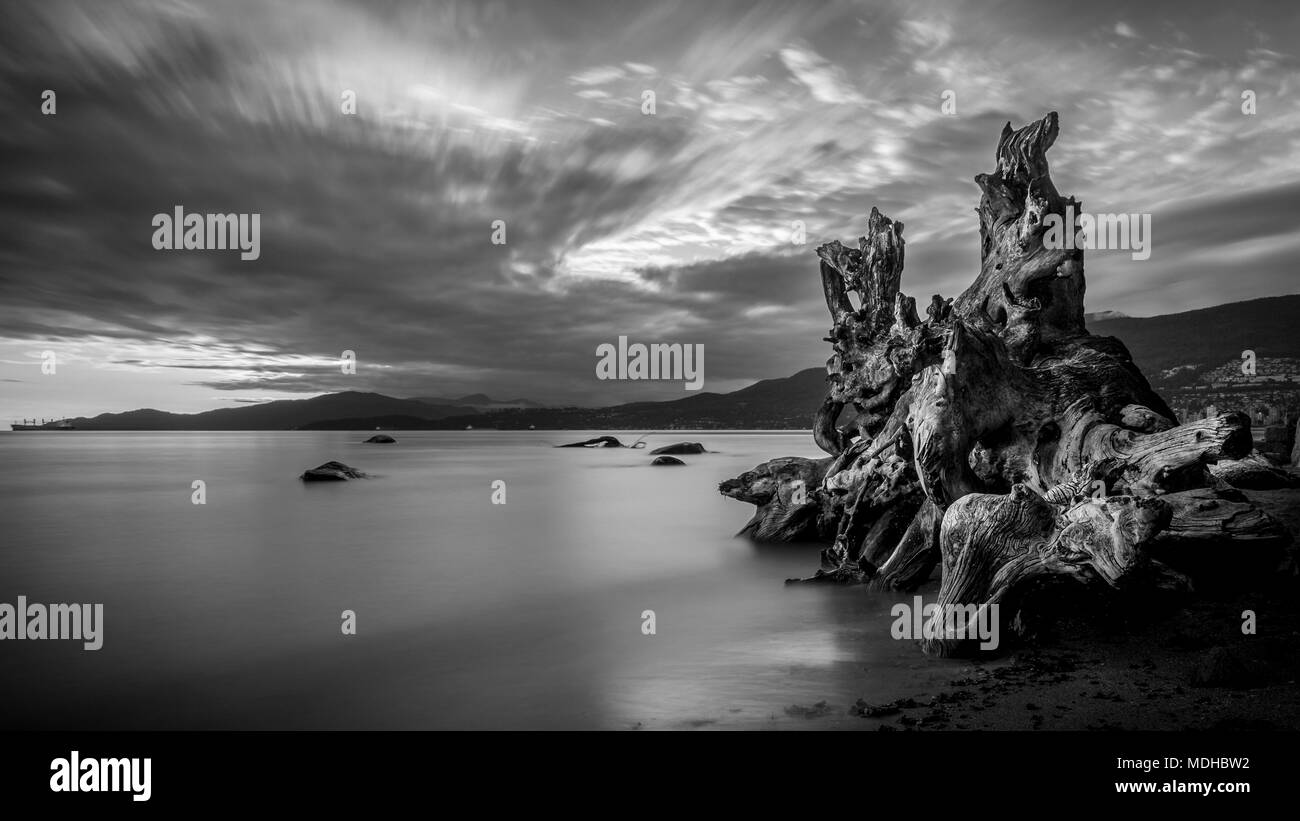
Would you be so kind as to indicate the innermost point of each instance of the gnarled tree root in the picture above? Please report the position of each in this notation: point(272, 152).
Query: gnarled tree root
point(955, 438)
point(992, 545)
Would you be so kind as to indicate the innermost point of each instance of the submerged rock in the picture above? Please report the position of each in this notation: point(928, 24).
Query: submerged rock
point(380, 439)
point(680, 448)
point(667, 460)
point(332, 472)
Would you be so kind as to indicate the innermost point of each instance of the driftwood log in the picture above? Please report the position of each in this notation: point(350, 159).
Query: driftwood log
point(603, 442)
point(995, 437)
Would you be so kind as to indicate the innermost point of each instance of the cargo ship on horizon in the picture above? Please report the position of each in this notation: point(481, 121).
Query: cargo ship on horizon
point(61, 424)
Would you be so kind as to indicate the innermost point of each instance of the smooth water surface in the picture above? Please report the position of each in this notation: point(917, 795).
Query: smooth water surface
point(469, 614)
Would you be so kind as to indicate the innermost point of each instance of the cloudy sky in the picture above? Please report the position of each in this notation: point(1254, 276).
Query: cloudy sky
point(675, 226)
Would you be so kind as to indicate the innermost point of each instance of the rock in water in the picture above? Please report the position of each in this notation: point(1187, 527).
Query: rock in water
point(380, 439)
point(332, 472)
point(667, 460)
point(681, 448)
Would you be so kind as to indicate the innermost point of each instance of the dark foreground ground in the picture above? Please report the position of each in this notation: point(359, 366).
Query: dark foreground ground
point(1183, 663)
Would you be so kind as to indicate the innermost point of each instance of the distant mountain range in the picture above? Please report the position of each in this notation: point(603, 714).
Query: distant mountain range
point(772, 404)
point(1200, 339)
point(1207, 337)
point(282, 414)
point(482, 402)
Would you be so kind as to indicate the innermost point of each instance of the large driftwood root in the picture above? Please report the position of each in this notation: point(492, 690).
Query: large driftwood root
point(1001, 388)
point(993, 545)
point(1254, 472)
point(787, 497)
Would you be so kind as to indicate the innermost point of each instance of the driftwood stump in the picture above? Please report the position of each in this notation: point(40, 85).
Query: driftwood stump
point(996, 435)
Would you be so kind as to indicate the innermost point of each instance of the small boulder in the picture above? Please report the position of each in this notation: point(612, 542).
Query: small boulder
point(667, 460)
point(332, 472)
point(680, 449)
point(380, 439)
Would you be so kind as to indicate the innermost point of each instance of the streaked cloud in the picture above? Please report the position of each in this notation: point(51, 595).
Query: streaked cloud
point(826, 81)
point(376, 227)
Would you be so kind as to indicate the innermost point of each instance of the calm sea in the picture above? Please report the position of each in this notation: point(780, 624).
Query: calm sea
point(469, 614)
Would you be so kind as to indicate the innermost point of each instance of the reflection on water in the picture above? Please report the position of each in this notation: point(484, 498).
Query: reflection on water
point(469, 614)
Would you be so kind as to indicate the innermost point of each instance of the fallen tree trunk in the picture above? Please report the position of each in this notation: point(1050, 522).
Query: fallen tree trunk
point(996, 435)
point(603, 442)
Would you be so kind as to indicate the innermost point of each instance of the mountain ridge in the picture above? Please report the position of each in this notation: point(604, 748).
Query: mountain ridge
point(280, 414)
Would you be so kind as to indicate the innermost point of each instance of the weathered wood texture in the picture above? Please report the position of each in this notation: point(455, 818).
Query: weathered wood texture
point(996, 434)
